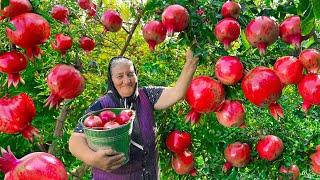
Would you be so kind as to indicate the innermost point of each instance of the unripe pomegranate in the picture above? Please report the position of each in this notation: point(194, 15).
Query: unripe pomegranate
point(231, 9)
point(60, 13)
point(62, 44)
point(289, 70)
point(310, 59)
point(175, 18)
point(290, 31)
point(111, 21)
point(229, 70)
point(12, 63)
point(269, 147)
point(15, 8)
point(231, 113)
point(154, 33)
point(309, 89)
point(262, 32)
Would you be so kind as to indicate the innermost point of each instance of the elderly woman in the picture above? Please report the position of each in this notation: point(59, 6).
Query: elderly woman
point(123, 91)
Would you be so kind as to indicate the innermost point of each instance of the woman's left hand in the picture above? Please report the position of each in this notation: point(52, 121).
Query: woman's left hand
point(190, 58)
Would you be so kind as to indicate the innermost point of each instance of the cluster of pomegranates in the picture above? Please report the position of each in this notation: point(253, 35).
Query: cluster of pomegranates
point(107, 119)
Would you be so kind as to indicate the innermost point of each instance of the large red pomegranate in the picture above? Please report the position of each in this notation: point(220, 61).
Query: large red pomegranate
point(229, 70)
point(87, 44)
point(93, 121)
point(31, 31)
point(310, 59)
point(36, 165)
point(15, 8)
point(231, 113)
point(290, 31)
point(289, 70)
point(111, 20)
point(226, 31)
point(65, 82)
point(269, 147)
point(231, 9)
point(175, 18)
point(60, 13)
point(315, 161)
point(154, 33)
point(238, 154)
point(262, 87)
point(178, 141)
point(309, 89)
point(12, 63)
point(84, 4)
point(262, 32)
point(205, 94)
point(16, 114)
point(182, 163)
point(62, 44)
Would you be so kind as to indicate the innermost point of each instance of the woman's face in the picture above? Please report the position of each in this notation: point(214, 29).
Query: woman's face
point(124, 79)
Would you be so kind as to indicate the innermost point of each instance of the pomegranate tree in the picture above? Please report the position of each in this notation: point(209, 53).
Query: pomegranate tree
point(231, 9)
point(269, 147)
point(231, 113)
point(289, 70)
point(175, 18)
point(16, 114)
point(182, 163)
point(154, 33)
point(87, 44)
point(12, 63)
point(178, 141)
point(310, 59)
point(65, 82)
point(62, 44)
point(290, 31)
point(60, 13)
point(315, 161)
point(229, 70)
point(15, 8)
point(111, 21)
point(262, 87)
point(36, 165)
point(238, 154)
point(226, 31)
point(31, 30)
point(309, 89)
point(262, 32)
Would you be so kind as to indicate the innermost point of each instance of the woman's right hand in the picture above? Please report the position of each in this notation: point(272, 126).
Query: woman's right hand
point(107, 159)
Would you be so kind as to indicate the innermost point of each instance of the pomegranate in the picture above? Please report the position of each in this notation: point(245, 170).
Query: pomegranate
point(262, 87)
point(65, 82)
point(93, 121)
point(111, 125)
point(262, 32)
point(231, 9)
point(16, 114)
point(178, 141)
point(12, 63)
point(309, 89)
point(310, 59)
point(193, 117)
point(200, 12)
point(205, 94)
point(87, 44)
point(60, 13)
point(182, 163)
point(289, 70)
point(37, 165)
point(15, 8)
point(315, 161)
point(238, 154)
point(107, 116)
point(175, 18)
point(63, 43)
point(31, 31)
point(231, 114)
point(229, 70)
point(84, 4)
point(154, 33)
point(226, 31)
point(122, 118)
point(111, 21)
point(92, 11)
point(269, 147)
point(130, 113)
point(294, 170)
point(290, 31)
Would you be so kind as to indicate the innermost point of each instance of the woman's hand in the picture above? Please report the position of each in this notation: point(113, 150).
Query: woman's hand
point(107, 159)
point(190, 59)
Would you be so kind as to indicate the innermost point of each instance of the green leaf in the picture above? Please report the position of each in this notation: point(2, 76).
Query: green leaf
point(267, 2)
point(303, 6)
point(4, 3)
point(308, 22)
point(316, 8)
point(244, 40)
